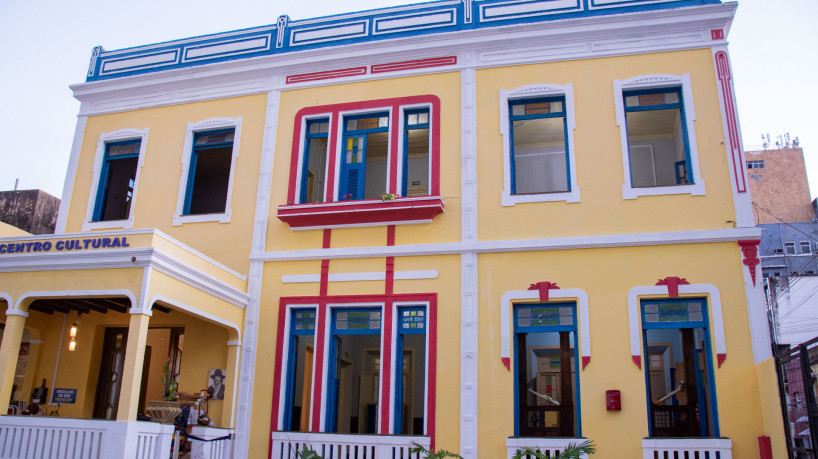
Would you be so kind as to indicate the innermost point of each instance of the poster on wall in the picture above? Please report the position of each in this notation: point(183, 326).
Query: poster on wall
point(215, 384)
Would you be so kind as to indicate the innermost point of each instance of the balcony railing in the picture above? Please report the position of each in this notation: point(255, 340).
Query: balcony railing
point(340, 446)
point(216, 446)
point(712, 448)
point(35, 437)
point(550, 446)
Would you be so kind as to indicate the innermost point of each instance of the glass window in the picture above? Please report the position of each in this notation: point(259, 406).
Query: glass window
point(539, 156)
point(759, 164)
point(657, 138)
point(806, 247)
point(353, 391)
point(364, 158)
point(209, 172)
point(415, 180)
point(410, 373)
point(314, 172)
point(679, 370)
point(117, 181)
point(789, 247)
point(546, 382)
point(299, 374)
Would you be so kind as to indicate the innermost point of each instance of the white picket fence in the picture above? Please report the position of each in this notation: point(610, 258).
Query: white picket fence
point(550, 446)
point(36, 437)
point(218, 449)
point(693, 448)
point(341, 446)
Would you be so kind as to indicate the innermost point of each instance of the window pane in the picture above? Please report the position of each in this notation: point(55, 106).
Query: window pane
point(547, 384)
point(210, 179)
point(539, 155)
point(790, 248)
point(316, 169)
point(301, 381)
point(805, 247)
point(123, 149)
point(417, 163)
point(118, 185)
point(413, 382)
point(656, 146)
point(356, 384)
point(376, 154)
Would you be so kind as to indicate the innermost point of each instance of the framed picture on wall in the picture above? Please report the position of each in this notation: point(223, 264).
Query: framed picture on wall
point(215, 383)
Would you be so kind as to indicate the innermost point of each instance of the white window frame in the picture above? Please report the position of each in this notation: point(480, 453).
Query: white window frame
point(303, 144)
point(657, 81)
point(403, 147)
point(531, 92)
point(809, 247)
point(794, 248)
point(104, 139)
point(210, 124)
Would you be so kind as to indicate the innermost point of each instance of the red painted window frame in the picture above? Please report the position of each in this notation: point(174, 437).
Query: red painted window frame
point(332, 213)
point(321, 303)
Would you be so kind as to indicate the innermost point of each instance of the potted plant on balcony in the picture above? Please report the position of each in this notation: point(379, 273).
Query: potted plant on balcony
point(572, 451)
point(166, 409)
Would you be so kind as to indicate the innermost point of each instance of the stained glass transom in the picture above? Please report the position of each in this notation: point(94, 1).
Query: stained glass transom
point(544, 315)
point(673, 312)
point(413, 319)
point(305, 320)
point(358, 320)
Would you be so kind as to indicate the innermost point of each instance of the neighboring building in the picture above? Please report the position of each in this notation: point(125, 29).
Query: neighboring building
point(410, 223)
point(779, 186)
point(33, 211)
point(789, 249)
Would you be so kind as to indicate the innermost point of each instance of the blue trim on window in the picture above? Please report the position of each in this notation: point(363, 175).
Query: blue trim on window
point(398, 370)
point(704, 324)
point(101, 196)
point(353, 176)
point(512, 118)
point(292, 360)
point(547, 329)
point(194, 159)
point(305, 164)
point(405, 153)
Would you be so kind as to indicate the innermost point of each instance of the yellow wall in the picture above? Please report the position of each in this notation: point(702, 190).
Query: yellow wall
point(7, 230)
point(158, 187)
point(445, 226)
point(599, 154)
point(607, 275)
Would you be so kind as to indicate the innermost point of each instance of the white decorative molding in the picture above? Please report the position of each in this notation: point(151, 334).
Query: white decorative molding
point(234, 342)
point(521, 245)
point(201, 314)
point(516, 9)
point(394, 24)
point(116, 136)
point(57, 294)
point(71, 173)
point(533, 296)
point(350, 277)
point(308, 36)
point(227, 48)
point(179, 217)
point(714, 309)
point(531, 91)
point(132, 63)
point(650, 82)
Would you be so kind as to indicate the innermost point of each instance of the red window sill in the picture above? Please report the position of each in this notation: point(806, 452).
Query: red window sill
point(418, 209)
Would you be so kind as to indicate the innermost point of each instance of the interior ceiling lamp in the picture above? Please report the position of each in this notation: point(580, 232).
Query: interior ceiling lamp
point(73, 333)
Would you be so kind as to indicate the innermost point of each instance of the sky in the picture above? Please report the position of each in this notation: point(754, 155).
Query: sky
point(45, 46)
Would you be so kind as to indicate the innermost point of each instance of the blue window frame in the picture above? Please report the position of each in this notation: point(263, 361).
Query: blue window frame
point(539, 153)
point(314, 166)
point(299, 370)
point(679, 369)
point(353, 391)
point(546, 380)
point(415, 155)
point(410, 371)
point(209, 172)
point(364, 163)
point(658, 142)
point(117, 181)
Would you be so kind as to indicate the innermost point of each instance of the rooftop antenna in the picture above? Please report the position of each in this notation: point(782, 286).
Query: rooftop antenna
point(765, 140)
point(16, 183)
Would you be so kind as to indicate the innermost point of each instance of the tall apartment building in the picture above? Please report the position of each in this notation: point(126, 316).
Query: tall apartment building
point(779, 186)
point(474, 225)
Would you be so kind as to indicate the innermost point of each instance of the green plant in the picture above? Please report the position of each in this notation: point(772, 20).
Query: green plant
point(307, 453)
point(572, 451)
point(168, 388)
point(388, 197)
point(440, 454)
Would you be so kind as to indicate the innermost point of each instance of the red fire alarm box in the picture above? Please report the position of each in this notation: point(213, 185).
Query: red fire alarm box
point(613, 400)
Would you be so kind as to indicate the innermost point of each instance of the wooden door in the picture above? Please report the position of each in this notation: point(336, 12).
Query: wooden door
point(110, 373)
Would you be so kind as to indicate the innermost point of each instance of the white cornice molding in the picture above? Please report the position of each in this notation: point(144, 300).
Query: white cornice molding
point(521, 245)
point(576, 38)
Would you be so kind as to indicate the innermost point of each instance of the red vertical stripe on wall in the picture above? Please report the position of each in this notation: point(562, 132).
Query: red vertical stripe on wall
point(765, 448)
point(386, 366)
point(431, 378)
point(390, 261)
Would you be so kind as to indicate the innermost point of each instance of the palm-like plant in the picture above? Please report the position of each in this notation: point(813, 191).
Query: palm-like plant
point(572, 451)
point(440, 454)
point(307, 453)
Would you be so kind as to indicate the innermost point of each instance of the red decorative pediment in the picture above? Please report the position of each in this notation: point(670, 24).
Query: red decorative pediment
point(749, 249)
point(544, 287)
point(586, 359)
point(637, 359)
point(507, 362)
point(721, 358)
point(673, 284)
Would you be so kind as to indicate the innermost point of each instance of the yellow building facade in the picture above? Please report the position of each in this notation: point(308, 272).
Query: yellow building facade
point(476, 226)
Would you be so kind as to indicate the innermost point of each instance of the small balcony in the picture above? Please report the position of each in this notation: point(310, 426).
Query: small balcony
point(660, 448)
point(347, 446)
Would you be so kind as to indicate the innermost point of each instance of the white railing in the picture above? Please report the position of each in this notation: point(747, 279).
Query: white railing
point(217, 449)
point(703, 448)
point(550, 446)
point(340, 446)
point(36, 437)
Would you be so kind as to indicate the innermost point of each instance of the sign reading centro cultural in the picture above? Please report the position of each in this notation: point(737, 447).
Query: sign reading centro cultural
point(65, 245)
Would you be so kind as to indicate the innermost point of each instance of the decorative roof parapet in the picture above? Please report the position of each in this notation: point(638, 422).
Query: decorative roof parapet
point(288, 36)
